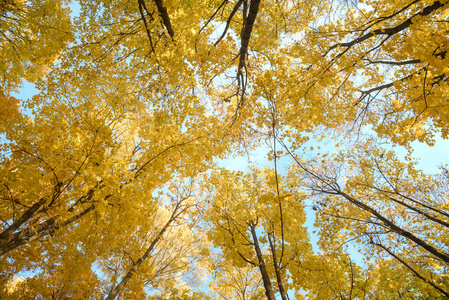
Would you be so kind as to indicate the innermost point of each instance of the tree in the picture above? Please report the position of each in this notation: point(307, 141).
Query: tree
point(381, 64)
point(113, 253)
point(334, 275)
point(388, 205)
point(177, 247)
point(84, 155)
point(253, 229)
point(233, 282)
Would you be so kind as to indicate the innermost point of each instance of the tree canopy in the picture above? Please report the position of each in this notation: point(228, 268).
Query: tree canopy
point(111, 181)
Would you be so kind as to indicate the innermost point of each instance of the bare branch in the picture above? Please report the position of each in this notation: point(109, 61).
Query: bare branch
point(228, 22)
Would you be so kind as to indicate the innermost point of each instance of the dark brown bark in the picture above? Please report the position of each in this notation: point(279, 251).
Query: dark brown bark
point(263, 270)
point(10, 240)
point(246, 33)
point(395, 228)
point(7, 233)
point(430, 217)
point(29, 234)
point(144, 19)
point(393, 30)
point(277, 269)
point(411, 269)
point(213, 16)
point(434, 209)
point(228, 22)
point(45, 228)
point(165, 18)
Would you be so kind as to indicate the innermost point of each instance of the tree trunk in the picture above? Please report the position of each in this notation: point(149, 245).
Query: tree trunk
point(263, 270)
point(277, 270)
point(6, 235)
point(119, 287)
point(45, 228)
point(397, 229)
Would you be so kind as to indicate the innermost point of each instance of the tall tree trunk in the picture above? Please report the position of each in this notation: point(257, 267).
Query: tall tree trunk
point(7, 235)
point(395, 228)
point(263, 270)
point(277, 269)
point(119, 287)
point(29, 235)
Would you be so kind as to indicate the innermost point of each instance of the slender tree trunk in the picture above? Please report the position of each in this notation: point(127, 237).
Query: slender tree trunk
point(335, 190)
point(119, 287)
point(45, 228)
point(10, 240)
point(412, 270)
point(165, 17)
point(7, 235)
point(430, 217)
point(246, 32)
point(277, 269)
point(397, 229)
point(263, 270)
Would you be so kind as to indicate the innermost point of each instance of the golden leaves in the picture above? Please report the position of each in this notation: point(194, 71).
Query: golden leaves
point(35, 33)
point(143, 98)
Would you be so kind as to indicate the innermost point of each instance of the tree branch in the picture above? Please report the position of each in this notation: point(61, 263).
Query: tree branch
point(411, 269)
point(165, 18)
point(228, 22)
point(6, 234)
point(393, 30)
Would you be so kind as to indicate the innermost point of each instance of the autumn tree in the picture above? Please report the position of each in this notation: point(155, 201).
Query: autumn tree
point(390, 208)
point(335, 275)
point(121, 258)
point(234, 282)
point(170, 249)
point(85, 153)
point(253, 229)
point(381, 64)
point(380, 68)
